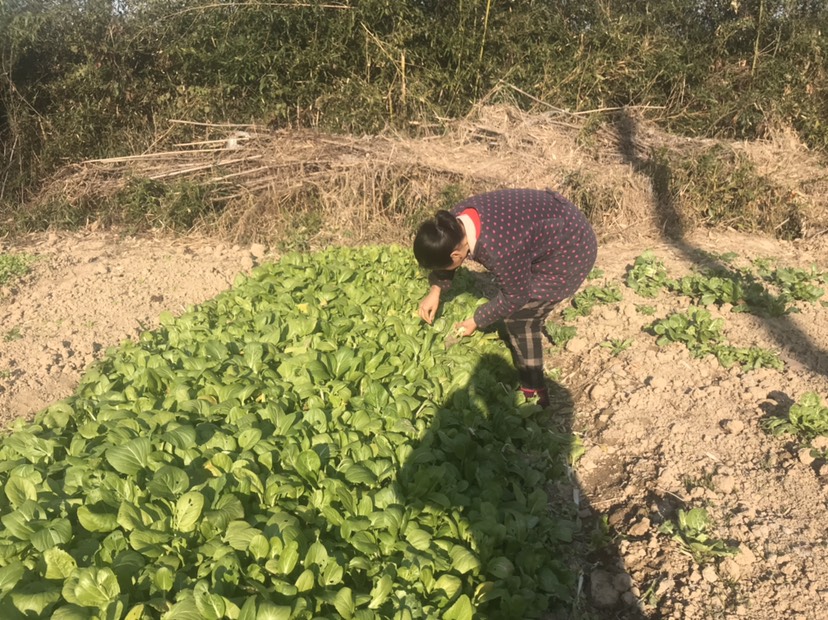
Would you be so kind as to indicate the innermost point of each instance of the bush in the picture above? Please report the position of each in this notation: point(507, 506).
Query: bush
point(718, 186)
point(81, 80)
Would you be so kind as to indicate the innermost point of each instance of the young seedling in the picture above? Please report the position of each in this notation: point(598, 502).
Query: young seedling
point(806, 419)
point(648, 275)
point(560, 334)
point(617, 345)
point(586, 300)
point(738, 288)
point(602, 534)
point(595, 274)
point(692, 532)
point(702, 335)
point(799, 284)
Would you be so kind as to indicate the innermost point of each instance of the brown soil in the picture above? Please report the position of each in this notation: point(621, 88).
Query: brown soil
point(665, 431)
point(662, 430)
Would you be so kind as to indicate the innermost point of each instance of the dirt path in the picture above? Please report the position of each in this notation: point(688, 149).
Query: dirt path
point(662, 430)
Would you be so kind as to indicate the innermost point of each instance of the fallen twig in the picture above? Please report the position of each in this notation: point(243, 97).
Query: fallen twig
point(200, 124)
point(126, 158)
point(678, 497)
point(212, 164)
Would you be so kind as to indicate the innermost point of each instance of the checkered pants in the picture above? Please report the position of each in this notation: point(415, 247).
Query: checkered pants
point(524, 335)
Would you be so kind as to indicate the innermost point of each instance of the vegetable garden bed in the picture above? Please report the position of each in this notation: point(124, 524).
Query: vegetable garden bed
point(301, 446)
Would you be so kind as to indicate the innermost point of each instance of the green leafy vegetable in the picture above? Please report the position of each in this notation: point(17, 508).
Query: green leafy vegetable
point(807, 418)
point(692, 532)
point(301, 446)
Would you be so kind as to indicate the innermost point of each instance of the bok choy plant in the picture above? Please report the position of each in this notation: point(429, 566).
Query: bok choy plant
point(301, 446)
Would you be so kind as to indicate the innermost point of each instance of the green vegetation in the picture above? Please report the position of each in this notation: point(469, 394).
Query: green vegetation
point(692, 531)
point(696, 329)
point(13, 334)
point(762, 289)
point(602, 535)
point(742, 288)
point(97, 79)
point(702, 335)
point(13, 266)
point(744, 294)
point(584, 301)
point(617, 345)
point(140, 204)
point(799, 284)
point(560, 334)
point(806, 419)
point(647, 276)
point(721, 187)
point(297, 447)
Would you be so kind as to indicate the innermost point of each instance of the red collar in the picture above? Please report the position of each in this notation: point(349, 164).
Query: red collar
point(474, 216)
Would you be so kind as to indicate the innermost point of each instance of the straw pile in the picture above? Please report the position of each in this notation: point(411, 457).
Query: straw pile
point(268, 183)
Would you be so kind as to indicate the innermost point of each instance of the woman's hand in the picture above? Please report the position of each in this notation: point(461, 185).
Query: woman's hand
point(465, 328)
point(430, 304)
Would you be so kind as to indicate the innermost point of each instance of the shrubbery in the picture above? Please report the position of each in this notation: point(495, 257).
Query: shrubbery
point(80, 80)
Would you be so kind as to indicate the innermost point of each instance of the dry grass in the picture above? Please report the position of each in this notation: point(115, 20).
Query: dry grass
point(310, 188)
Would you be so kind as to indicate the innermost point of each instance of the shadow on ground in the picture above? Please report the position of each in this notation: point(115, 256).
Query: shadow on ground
point(674, 231)
point(499, 466)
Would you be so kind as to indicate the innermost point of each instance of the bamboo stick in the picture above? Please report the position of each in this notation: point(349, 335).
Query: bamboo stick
point(219, 141)
point(211, 164)
point(533, 98)
point(183, 122)
point(114, 160)
point(175, 173)
point(618, 109)
point(281, 5)
point(238, 174)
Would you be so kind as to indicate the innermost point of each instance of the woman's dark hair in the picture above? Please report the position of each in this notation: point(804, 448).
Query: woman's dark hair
point(436, 239)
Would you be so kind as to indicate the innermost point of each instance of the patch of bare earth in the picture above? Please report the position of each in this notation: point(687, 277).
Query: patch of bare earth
point(662, 430)
point(665, 431)
point(89, 291)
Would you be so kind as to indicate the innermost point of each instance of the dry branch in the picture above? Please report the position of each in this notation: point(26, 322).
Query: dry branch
point(255, 5)
point(177, 121)
point(151, 156)
point(370, 184)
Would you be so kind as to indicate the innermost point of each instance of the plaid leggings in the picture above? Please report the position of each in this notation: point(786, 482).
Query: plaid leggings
point(524, 335)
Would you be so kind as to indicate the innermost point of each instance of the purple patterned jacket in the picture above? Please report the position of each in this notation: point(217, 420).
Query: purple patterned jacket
point(536, 243)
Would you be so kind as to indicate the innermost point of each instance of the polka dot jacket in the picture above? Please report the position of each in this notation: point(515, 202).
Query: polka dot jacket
point(536, 243)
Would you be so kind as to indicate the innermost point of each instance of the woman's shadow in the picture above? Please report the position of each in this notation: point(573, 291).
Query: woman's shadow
point(488, 483)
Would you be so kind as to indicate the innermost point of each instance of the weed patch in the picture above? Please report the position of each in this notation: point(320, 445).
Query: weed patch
point(14, 266)
point(718, 186)
point(140, 204)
